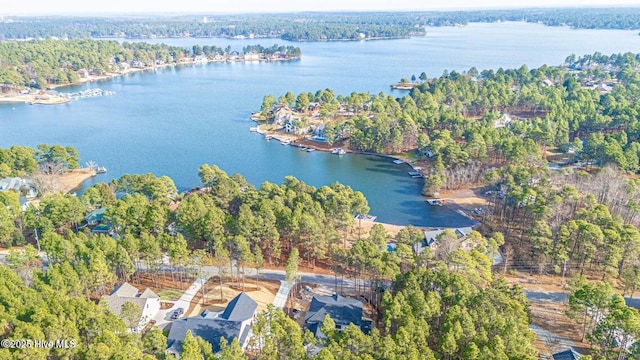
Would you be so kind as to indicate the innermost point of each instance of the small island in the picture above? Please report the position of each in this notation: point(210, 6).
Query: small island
point(405, 84)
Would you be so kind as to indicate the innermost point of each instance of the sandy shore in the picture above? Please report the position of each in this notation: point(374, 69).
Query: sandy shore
point(367, 225)
point(465, 198)
point(74, 178)
point(40, 99)
point(62, 183)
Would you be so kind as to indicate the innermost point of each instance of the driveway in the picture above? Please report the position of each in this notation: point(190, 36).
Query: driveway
point(162, 318)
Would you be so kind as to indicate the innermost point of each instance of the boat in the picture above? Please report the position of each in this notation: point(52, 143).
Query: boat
point(101, 170)
point(303, 148)
point(310, 149)
point(398, 161)
point(285, 142)
point(414, 173)
point(365, 217)
point(338, 151)
point(434, 202)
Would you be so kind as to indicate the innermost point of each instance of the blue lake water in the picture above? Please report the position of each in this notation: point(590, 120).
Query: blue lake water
point(170, 121)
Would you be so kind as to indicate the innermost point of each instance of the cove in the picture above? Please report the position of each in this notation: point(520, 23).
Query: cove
point(171, 121)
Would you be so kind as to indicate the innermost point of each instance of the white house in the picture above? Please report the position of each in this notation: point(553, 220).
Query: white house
point(148, 301)
point(21, 186)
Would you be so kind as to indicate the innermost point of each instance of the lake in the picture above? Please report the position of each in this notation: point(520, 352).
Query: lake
point(172, 120)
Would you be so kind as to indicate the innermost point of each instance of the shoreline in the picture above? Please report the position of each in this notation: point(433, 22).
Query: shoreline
point(462, 201)
point(41, 98)
point(74, 179)
point(34, 99)
point(182, 62)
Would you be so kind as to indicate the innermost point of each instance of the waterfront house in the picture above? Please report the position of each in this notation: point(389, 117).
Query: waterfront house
point(289, 126)
point(234, 322)
point(318, 132)
point(24, 203)
point(83, 73)
point(200, 59)
point(252, 56)
point(343, 311)
point(314, 106)
point(432, 237)
point(21, 186)
point(282, 115)
point(105, 229)
point(95, 217)
point(148, 302)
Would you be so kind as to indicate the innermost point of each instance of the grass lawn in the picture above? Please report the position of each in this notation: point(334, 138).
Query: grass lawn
point(169, 294)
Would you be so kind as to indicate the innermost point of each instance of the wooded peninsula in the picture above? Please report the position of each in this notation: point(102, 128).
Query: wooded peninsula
point(40, 64)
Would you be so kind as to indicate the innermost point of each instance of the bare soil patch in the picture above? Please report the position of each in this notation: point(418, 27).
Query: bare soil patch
point(465, 198)
point(365, 226)
point(163, 282)
point(263, 294)
point(536, 282)
point(552, 317)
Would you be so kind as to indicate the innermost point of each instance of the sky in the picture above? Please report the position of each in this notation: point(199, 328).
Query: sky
point(77, 7)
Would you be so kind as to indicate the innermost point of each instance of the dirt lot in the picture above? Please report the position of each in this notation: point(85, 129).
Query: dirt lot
point(163, 283)
point(536, 282)
point(367, 225)
point(562, 331)
point(466, 198)
point(552, 318)
point(264, 295)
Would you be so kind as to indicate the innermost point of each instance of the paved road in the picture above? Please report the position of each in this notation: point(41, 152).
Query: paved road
point(553, 341)
point(547, 296)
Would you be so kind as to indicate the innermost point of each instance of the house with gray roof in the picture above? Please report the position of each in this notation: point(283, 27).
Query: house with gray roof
point(431, 237)
point(343, 311)
point(148, 301)
point(234, 322)
point(568, 354)
point(240, 308)
point(21, 186)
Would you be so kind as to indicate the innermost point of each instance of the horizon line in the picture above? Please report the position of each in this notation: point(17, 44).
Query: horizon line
point(206, 12)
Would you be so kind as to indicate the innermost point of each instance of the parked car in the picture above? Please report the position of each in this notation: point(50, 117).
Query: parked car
point(177, 313)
